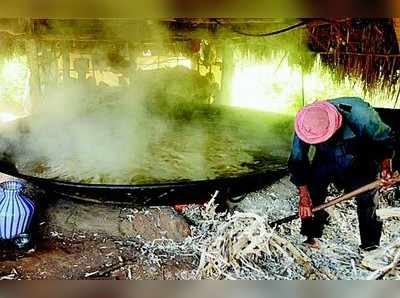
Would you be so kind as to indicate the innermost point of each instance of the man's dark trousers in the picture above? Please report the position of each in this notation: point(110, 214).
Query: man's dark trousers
point(349, 179)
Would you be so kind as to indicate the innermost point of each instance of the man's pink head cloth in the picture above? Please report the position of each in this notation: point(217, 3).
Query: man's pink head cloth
point(317, 122)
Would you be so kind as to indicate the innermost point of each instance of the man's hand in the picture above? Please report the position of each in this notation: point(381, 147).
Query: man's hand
point(305, 203)
point(386, 172)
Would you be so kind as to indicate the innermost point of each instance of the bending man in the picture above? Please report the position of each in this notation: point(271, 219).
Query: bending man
point(352, 145)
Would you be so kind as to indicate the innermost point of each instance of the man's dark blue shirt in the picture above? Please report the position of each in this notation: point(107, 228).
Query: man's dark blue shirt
point(363, 136)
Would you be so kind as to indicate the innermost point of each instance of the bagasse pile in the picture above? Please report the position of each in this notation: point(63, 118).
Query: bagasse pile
point(241, 245)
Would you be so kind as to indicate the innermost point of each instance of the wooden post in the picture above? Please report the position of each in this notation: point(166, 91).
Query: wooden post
point(133, 53)
point(54, 64)
point(195, 47)
point(81, 66)
point(227, 74)
point(195, 61)
point(34, 81)
point(66, 62)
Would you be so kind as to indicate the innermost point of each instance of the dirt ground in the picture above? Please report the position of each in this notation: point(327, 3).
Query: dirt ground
point(77, 240)
point(66, 249)
point(81, 257)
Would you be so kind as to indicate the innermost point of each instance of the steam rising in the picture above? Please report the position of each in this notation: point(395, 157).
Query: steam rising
point(73, 127)
point(158, 125)
point(150, 132)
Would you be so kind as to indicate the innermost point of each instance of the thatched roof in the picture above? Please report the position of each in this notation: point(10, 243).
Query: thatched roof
point(365, 48)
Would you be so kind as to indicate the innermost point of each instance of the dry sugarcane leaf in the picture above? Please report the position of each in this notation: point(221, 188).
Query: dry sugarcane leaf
point(301, 257)
point(381, 272)
point(375, 259)
point(386, 213)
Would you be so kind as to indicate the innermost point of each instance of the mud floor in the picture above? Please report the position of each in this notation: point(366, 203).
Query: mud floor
point(74, 240)
point(78, 241)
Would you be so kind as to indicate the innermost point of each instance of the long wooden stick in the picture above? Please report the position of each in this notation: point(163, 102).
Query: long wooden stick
point(350, 195)
point(373, 185)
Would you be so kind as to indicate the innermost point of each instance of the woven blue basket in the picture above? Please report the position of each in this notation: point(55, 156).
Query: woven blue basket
point(16, 210)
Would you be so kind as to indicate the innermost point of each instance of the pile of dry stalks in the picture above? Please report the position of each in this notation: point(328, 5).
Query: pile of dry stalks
point(241, 245)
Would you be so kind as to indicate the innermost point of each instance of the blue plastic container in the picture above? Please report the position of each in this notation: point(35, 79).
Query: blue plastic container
point(16, 210)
